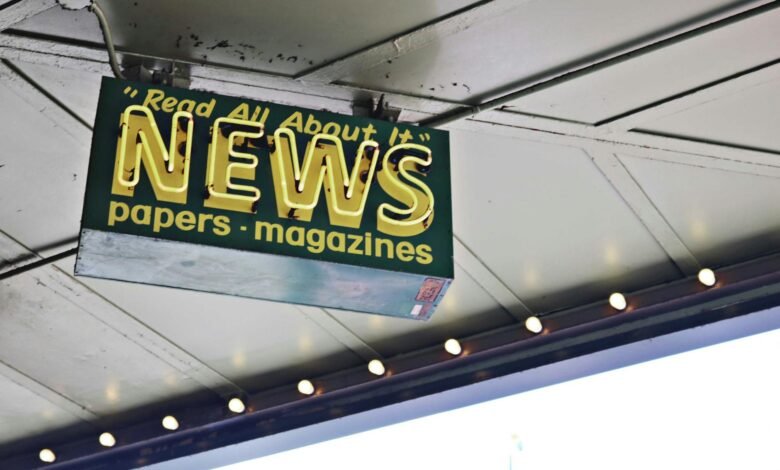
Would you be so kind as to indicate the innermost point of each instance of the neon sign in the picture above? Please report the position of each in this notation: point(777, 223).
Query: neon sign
point(371, 199)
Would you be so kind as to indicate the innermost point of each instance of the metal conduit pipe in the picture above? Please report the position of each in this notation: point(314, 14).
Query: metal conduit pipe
point(591, 67)
point(37, 264)
point(108, 38)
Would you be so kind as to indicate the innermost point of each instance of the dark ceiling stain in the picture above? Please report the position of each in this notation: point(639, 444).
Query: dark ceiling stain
point(220, 44)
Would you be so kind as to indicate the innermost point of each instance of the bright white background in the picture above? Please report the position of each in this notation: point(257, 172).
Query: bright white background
point(711, 408)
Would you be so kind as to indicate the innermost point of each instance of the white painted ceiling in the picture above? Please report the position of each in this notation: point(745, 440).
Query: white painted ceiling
point(550, 211)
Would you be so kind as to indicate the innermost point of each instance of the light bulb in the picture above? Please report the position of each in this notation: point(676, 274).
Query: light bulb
point(306, 387)
point(236, 405)
point(47, 455)
point(533, 324)
point(452, 346)
point(707, 277)
point(107, 440)
point(170, 423)
point(618, 301)
point(376, 367)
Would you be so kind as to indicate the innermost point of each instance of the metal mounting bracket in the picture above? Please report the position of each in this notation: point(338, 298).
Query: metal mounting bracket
point(377, 110)
point(170, 73)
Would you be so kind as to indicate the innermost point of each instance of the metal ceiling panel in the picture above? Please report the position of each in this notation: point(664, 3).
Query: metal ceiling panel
point(24, 413)
point(748, 118)
point(275, 36)
point(466, 309)
point(77, 90)
point(42, 174)
point(660, 74)
point(79, 25)
point(722, 217)
point(255, 343)
point(55, 335)
point(548, 223)
point(535, 38)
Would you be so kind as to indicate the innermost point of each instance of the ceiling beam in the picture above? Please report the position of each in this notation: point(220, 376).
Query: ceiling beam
point(408, 42)
point(640, 203)
point(17, 11)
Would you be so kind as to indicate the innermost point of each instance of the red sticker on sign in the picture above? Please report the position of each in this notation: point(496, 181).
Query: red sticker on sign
point(430, 290)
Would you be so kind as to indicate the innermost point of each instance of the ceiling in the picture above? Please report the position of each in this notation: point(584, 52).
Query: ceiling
point(637, 145)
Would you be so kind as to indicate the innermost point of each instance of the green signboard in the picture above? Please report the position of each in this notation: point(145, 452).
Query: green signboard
point(223, 194)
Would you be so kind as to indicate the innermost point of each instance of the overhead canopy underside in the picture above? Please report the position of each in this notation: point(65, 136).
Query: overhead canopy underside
point(601, 178)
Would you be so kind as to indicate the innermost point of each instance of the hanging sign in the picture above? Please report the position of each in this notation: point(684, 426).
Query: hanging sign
point(228, 195)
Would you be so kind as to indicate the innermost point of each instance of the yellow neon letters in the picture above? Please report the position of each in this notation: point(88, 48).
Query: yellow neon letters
point(298, 190)
point(140, 137)
point(417, 216)
point(233, 155)
point(220, 171)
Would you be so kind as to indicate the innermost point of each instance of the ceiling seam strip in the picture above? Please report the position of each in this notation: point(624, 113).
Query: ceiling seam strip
point(642, 145)
point(145, 337)
point(592, 66)
point(159, 345)
point(550, 129)
point(640, 204)
point(489, 281)
point(46, 93)
point(20, 11)
point(47, 393)
point(338, 331)
point(733, 84)
point(61, 117)
point(408, 42)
